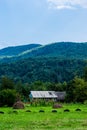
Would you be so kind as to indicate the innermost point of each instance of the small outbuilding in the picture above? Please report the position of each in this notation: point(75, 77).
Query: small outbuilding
point(60, 96)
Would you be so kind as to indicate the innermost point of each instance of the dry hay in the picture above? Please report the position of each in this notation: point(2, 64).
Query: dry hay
point(56, 105)
point(18, 105)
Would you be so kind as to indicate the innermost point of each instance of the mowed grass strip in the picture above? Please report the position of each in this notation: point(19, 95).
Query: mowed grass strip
point(35, 120)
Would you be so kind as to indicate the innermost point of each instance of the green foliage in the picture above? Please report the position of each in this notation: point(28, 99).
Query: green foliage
point(6, 83)
point(56, 62)
point(13, 51)
point(23, 90)
point(43, 69)
point(77, 90)
point(42, 102)
point(7, 97)
point(85, 74)
point(38, 85)
point(80, 91)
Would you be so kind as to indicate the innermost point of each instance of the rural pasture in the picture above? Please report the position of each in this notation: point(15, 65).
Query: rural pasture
point(69, 117)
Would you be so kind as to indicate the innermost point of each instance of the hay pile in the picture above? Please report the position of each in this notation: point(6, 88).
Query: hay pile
point(56, 105)
point(18, 105)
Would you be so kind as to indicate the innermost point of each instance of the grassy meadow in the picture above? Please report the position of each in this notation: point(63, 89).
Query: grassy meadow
point(47, 120)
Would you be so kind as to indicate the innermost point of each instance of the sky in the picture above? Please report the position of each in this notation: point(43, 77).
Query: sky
point(42, 21)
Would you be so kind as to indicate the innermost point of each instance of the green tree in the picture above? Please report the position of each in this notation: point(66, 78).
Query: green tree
point(8, 97)
point(77, 90)
point(7, 83)
point(85, 74)
point(23, 89)
point(80, 90)
point(38, 85)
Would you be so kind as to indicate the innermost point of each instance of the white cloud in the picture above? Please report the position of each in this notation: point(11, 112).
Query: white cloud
point(67, 4)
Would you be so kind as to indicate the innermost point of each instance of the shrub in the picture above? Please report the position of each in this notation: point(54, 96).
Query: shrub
point(85, 102)
point(7, 97)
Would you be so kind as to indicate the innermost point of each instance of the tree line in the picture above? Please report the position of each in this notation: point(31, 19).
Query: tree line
point(10, 91)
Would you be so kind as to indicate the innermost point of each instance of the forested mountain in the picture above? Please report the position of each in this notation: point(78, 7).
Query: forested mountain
point(13, 51)
point(43, 69)
point(56, 62)
point(60, 50)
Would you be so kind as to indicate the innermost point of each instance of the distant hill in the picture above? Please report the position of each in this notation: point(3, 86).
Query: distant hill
point(13, 51)
point(55, 62)
point(60, 50)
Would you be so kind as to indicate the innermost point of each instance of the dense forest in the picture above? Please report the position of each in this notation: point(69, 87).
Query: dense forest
point(59, 67)
point(44, 69)
point(10, 91)
point(57, 62)
point(60, 50)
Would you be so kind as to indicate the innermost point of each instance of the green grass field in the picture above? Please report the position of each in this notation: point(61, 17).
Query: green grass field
point(35, 120)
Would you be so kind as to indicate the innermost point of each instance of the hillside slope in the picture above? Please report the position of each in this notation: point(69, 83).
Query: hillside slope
point(13, 51)
point(43, 69)
point(60, 50)
point(56, 62)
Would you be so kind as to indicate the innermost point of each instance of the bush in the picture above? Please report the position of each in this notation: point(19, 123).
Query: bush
point(7, 97)
point(85, 102)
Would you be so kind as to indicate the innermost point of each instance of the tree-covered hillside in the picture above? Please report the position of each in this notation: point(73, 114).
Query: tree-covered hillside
point(60, 50)
point(56, 62)
point(43, 69)
point(12, 51)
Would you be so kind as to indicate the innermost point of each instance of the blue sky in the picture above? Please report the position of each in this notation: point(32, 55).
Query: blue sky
point(42, 21)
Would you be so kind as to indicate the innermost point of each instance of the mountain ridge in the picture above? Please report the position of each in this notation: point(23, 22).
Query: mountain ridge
point(65, 50)
point(15, 50)
point(56, 62)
